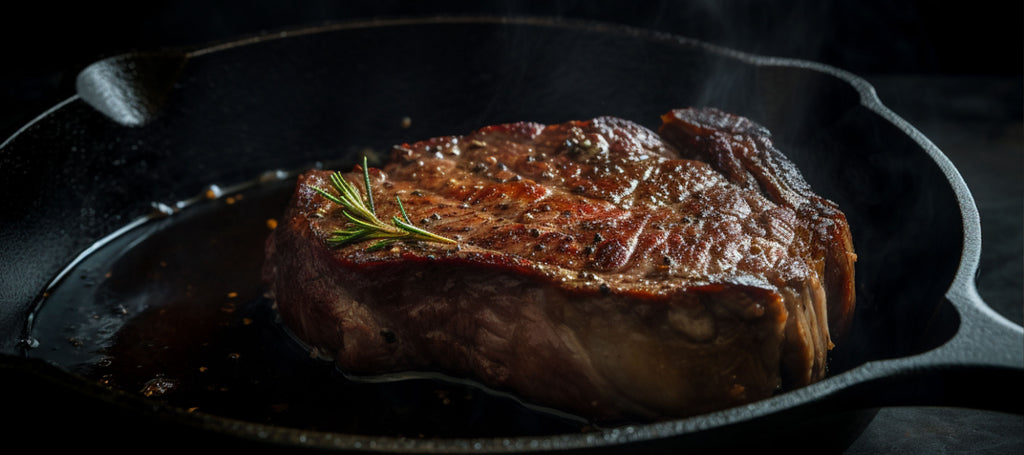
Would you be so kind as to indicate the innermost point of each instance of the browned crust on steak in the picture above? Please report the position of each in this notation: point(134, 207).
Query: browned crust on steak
point(601, 268)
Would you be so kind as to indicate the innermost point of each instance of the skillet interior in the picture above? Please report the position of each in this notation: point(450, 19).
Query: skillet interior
point(234, 112)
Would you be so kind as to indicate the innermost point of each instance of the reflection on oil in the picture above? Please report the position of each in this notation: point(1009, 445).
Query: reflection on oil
point(173, 310)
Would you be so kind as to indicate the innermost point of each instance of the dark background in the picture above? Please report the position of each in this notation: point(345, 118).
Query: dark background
point(953, 70)
point(46, 42)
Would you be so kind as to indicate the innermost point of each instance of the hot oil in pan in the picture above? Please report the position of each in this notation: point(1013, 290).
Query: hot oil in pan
point(174, 310)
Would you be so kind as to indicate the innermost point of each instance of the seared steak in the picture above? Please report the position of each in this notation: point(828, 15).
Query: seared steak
point(600, 268)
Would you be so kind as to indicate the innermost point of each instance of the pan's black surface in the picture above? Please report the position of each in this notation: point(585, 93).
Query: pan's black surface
point(162, 127)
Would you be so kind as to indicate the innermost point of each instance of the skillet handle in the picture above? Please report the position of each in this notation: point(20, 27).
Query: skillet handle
point(981, 367)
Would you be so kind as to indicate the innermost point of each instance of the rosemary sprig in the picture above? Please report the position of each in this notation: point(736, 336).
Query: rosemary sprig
point(363, 222)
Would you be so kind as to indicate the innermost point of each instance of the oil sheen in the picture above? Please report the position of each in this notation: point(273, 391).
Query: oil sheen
point(172, 309)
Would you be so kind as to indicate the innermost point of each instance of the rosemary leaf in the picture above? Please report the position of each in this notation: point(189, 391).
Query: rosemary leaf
point(401, 208)
point(366, 183)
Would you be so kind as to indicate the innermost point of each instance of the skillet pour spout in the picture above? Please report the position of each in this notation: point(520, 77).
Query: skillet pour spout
point(130, 89)
point(134, 148)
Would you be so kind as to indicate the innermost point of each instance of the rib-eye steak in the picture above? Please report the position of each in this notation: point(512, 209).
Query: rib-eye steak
point(597, 267)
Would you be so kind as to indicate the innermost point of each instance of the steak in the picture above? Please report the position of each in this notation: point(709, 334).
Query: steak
point(599, 268)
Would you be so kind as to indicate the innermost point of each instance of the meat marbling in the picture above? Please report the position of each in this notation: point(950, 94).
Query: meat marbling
point(601, 268)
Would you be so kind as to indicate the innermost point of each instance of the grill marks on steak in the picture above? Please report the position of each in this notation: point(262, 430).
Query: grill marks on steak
point(602, 268)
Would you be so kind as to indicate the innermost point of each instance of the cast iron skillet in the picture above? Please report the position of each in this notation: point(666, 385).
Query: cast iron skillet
point(148, 132)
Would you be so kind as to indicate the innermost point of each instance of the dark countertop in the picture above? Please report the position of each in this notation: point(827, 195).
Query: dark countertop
point(975, 117)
